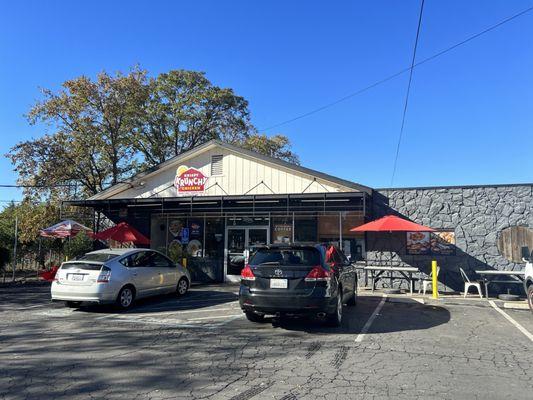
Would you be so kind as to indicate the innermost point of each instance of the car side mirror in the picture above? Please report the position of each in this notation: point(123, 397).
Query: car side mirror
point(526, 255)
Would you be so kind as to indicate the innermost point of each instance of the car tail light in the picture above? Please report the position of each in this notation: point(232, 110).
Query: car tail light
point(318, 274)
point(247, 274)
point(105, 275)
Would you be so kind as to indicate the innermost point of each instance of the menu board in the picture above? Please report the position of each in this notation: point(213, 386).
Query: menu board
point(434, 243)
point(418, 243)
point(443, 243)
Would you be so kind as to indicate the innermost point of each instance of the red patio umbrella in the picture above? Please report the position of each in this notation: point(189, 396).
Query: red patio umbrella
point(64, 229)
point(122, 232)
point(391, 223)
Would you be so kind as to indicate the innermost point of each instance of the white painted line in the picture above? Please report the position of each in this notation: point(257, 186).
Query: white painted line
point(512, 321)
point(230, 320)
point(213, 317)
point(368, 324)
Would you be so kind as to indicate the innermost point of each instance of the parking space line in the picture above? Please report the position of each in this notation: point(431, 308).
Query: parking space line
point(511, 320)
point(370, 321)
point(213, 317)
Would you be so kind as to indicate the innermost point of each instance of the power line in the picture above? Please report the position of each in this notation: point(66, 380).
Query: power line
point(36, 186)
point(390, 77)
point(408, 92)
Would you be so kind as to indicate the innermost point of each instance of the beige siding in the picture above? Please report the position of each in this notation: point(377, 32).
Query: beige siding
point(240, 174)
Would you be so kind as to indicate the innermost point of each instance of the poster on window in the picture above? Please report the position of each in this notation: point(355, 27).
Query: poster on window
point(418, 243)
point(435, 243)
point(282, 233)
point(443, 243)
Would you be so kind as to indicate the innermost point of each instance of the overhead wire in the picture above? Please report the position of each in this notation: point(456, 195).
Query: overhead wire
point(406, 102)
point(401, 72)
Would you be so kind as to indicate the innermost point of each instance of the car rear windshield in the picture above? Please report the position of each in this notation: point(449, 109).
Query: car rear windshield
point(82, 266)
point(100, 257)
point(308, 257)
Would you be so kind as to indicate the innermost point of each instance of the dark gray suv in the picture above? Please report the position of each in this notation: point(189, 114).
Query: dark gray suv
point(297, 280)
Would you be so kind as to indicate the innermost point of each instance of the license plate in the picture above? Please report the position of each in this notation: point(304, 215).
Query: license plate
point(278, 283)
point(76, 277)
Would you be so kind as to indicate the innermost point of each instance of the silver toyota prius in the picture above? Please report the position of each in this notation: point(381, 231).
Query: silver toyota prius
point(118, 276)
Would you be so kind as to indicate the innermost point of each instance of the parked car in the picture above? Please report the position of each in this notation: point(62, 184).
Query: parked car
point(118, 276)
point(527, 256)
point(297, 280)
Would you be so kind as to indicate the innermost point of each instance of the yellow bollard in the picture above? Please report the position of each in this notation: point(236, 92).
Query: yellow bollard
point(435, 288)
point(184, 262)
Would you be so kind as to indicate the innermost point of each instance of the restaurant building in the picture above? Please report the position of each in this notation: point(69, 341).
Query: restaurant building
point(215, 202)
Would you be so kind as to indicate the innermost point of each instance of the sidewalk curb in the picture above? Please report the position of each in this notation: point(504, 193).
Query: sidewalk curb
point(459, 301)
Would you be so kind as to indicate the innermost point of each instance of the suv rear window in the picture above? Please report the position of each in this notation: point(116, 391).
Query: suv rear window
point(286, 257)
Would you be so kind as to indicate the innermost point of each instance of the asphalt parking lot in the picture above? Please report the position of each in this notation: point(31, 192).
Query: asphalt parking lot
point(202, 347)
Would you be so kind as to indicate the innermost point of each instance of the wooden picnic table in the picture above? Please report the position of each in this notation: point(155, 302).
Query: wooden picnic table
point(377, 273)
point(489, 276)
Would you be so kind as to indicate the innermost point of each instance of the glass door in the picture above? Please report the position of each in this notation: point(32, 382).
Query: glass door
point(236, 239)
point(239, 242)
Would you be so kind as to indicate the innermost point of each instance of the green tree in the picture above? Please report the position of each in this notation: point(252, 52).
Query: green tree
point(107, 129)
point(184, 110)
point(90, 147)
point(277, 146)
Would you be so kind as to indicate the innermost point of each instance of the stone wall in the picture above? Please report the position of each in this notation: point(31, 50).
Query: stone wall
point(476, 215)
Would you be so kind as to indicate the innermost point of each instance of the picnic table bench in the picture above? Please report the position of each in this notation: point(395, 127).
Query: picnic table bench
point(491, 275)
point(380, 272)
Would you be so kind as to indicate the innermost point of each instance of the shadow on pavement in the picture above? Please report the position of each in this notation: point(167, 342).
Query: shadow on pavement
point(408, 315)
point(194, 299)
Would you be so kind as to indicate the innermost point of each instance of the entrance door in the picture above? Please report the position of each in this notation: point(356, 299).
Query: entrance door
point(239, 241)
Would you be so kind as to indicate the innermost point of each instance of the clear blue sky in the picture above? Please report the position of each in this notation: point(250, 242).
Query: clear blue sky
point(470, 118)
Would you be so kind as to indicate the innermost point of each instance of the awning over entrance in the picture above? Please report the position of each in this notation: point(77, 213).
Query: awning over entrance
point(223, 205)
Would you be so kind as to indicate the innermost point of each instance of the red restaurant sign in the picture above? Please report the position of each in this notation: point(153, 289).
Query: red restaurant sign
point(189, 180)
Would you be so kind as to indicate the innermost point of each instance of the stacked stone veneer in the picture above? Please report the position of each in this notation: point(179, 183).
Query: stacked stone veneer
point(476, 215)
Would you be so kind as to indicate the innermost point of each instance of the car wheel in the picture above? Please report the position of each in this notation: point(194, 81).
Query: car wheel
point(183, 286)
point(530, 297)
point(125, 297)
point(73, 304)
point(353, 298)
point(335, 319)
point(254, 317)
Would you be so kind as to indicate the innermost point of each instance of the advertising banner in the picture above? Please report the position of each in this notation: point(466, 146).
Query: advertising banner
point(189, 181)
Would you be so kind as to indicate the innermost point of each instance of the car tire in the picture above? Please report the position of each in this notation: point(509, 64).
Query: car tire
point(530, 296)
point(254, 317)
point(125, 297)
point(182, 286)
point(73, 304)
point(335, 319)
point(353, 298)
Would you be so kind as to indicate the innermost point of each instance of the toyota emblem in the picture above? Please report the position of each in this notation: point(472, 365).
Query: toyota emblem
point(278, 272)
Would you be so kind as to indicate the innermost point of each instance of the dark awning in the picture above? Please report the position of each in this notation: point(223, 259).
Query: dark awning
point(273, 203)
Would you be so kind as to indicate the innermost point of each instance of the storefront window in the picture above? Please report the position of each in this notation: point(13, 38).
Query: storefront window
point(194, 246)
point(214, 237)
point(353, 243)
point(329, 228)
point(305, 229)
point(158, 234)
point(281, 230)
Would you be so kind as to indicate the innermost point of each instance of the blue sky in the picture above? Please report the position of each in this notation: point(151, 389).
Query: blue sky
point(470, 113)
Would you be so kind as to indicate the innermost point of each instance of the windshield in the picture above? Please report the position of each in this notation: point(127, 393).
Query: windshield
point(100, 257)
point(286, 257)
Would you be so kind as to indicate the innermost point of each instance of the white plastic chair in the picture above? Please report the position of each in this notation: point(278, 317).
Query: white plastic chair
point(469, 283)
point(425, 282)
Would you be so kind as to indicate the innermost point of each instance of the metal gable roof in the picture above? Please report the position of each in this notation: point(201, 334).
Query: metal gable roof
point(119, 187)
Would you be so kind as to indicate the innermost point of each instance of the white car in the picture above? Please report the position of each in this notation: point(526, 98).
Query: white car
point(527, 257)
point(118, 276)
